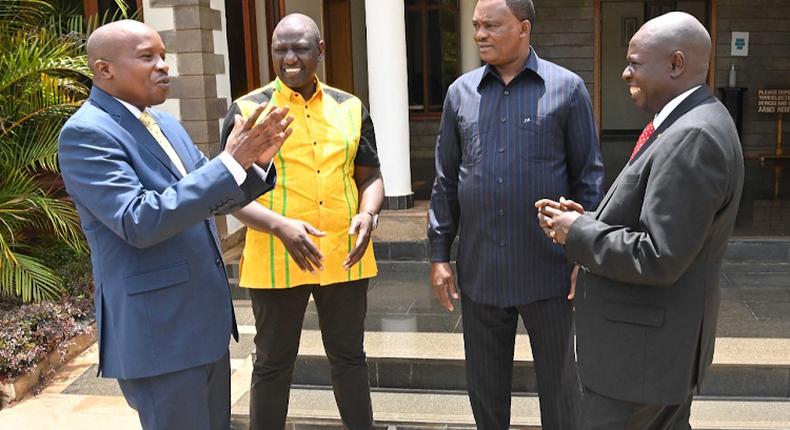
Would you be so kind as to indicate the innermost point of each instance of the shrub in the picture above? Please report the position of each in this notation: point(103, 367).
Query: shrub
point(29, 333)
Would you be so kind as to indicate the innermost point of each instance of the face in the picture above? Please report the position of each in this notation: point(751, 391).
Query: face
point(499, 34)
point(295, 56)
point(138, 70)
point(648, 74)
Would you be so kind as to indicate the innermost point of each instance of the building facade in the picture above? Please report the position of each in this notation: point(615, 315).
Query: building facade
point(399, 56)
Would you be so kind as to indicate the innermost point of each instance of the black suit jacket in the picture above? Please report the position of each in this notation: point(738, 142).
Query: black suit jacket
point(647, 296)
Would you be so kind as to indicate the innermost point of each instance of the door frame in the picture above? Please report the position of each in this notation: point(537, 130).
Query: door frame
point(597, 56)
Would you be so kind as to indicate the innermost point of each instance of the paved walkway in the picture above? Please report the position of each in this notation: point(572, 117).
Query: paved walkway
point(405, 322)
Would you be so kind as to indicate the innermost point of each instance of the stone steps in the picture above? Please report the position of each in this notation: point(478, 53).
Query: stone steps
point(742, 367)
point(408, 410)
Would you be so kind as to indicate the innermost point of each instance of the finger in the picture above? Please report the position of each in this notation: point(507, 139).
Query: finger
point(356, 253)
point(440, 291)
point(315, 258)
point(313, 231)
point(253, 118)
point(452, 288)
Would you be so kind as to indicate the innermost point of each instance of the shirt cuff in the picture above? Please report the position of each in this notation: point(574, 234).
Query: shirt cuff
point(238, 172)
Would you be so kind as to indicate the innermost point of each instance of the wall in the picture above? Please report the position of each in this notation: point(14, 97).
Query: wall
point(766, 67)
point(563, 33)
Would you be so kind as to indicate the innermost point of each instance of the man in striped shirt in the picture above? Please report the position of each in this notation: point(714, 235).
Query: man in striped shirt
point(516, 129)
point(329, 187)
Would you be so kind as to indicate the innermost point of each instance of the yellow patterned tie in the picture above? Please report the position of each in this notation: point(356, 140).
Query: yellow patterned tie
point(153, 127)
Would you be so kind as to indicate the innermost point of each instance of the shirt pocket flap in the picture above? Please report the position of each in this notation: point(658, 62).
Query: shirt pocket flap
point(652, 316)
point(154, 279)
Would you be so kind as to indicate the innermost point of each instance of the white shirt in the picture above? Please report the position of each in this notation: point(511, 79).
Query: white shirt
point(669, 107)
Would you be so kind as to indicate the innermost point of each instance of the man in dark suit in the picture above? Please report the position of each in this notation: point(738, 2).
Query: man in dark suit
point(513, 131)
point(146, 196)
point(647, 293)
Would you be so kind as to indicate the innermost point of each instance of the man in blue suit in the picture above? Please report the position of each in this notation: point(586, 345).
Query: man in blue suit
point(146, 196)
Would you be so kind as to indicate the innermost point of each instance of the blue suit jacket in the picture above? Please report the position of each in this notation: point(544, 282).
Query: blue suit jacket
point(163, 302)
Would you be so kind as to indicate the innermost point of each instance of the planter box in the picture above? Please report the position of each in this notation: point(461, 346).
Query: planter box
point(24, 384)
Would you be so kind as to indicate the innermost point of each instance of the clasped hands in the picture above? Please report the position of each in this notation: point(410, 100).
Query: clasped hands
point(254, 141)
point(556, 217)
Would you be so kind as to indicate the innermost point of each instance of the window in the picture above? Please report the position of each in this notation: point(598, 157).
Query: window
point(432, 50)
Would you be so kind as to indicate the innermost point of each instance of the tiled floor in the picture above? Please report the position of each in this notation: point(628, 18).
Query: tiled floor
point(405, 320)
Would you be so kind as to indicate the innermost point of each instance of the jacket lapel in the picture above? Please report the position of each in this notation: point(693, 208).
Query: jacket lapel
point(701, 94)
point(136, 128)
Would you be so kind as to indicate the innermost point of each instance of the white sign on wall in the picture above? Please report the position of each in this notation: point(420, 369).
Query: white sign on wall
point(740, 44)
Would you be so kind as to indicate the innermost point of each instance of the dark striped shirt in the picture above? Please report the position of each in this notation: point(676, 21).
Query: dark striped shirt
point(500, 149)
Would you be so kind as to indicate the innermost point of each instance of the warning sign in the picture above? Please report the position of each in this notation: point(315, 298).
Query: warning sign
point(773, 101)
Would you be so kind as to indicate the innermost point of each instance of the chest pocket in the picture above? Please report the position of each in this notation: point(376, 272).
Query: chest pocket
point(472, 135)
point(541, 138)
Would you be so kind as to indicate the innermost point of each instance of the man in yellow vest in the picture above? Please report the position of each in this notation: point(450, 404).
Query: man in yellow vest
point(329, 187)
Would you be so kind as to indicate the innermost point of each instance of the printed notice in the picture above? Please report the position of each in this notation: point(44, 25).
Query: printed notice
point(773, 101)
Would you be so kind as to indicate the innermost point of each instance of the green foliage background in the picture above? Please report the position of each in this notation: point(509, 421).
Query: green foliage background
point(44, 78)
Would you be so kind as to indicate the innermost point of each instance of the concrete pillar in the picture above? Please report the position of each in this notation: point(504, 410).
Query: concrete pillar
point(189, 29)
point(388, 93)
point(193, 33)
point(470, 58)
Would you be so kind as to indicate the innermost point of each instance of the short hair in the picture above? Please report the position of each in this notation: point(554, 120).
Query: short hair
point(522, 9)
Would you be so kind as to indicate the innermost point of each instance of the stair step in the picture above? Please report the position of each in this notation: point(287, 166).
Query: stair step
point(742, 367)
point(310, 407)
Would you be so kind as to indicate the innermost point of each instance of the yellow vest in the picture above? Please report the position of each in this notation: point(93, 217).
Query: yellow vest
point(315, 184)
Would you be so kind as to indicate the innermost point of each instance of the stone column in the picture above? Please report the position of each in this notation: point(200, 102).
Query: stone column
point(187, 28)
point(192, 31)
point(470, 57)
point(388, 93)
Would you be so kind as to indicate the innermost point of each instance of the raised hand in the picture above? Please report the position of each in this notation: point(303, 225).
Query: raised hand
point(254, 141)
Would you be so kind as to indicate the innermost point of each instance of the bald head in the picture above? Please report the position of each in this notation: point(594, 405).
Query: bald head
point(127, 59)
point(668, 56)
point(108, 41)
point(681, 32)
point(299, 23)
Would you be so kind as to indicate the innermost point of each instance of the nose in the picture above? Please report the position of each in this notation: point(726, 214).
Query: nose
point(290, 57)
point(163, 66)
point(627, 73)
point(479, 34)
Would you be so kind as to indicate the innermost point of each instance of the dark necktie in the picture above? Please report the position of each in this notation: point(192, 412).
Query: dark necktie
point(646, 133)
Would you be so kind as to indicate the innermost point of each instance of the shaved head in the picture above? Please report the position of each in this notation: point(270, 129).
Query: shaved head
point(679, 31)
point(301, 23)
point(127, 59)
point(668, 56)
point(106, 41)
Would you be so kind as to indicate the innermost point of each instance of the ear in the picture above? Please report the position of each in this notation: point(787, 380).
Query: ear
point(321, 50)
point(526, 28)
point(102, 69)
point(678, 64)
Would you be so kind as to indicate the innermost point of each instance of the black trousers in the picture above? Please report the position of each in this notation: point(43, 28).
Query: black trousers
point(599, 412)
point(489, 340)
point(279, 314)
point(192, 399)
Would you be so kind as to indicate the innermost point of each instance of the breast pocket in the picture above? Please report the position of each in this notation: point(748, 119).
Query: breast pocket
point(541, 138)
point(472, 136)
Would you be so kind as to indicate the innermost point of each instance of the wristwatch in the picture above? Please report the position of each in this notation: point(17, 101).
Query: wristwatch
point(375, 219)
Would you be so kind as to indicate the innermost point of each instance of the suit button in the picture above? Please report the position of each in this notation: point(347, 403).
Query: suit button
point(218, 262)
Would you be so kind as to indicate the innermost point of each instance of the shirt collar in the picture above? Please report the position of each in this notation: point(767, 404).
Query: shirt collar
point(288, 93)
point(669, 107)
point(133, 109)
point(531, 64)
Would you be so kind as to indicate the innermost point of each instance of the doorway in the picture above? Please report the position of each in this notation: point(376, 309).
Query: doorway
point(615, 22)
